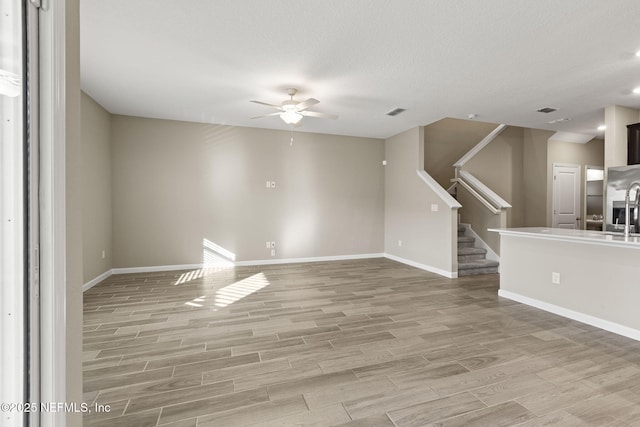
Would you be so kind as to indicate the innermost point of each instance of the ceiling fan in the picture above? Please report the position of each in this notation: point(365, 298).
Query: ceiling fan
point(292, 111)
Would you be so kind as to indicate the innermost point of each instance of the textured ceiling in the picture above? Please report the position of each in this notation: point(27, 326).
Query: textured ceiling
point(203, 60)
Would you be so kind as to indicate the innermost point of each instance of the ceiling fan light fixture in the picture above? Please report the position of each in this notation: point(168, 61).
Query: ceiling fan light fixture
point(291, 117)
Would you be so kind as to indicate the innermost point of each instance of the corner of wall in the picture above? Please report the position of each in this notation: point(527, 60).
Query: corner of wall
point(419, 226)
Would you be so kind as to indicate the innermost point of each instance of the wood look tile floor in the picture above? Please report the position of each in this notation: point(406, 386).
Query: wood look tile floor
point(358, 343)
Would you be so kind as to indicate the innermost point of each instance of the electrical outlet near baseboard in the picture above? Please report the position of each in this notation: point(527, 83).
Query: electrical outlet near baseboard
point(555, 278)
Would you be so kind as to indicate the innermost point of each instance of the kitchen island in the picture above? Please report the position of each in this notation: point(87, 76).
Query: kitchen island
point(589, 276)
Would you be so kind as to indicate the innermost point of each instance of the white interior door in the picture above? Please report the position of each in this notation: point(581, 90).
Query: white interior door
point(566, 196)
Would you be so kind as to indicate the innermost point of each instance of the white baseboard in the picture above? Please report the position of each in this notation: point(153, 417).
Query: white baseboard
point(91, 283)
point(176, 267)
point(449, 274)
point(158, 268)
point(607, 325)
point(310, 259)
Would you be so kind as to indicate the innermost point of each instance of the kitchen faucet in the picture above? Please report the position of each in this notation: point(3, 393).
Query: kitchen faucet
point(627, 215)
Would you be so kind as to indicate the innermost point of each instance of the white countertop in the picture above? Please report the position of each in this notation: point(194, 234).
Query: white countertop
point(605, 238)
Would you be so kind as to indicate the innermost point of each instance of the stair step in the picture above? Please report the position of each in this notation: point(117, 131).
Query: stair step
point(461, 228)
point(477, 271)
point(482, 266)
point(471, 254)
point(466, 241)
point(471, 251)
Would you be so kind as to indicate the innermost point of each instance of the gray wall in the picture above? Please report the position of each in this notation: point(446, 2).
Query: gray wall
point(427, 237)
point(176, 184)
point(96, 188)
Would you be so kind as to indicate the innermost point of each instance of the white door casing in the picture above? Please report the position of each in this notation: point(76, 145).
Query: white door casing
point(566, 196)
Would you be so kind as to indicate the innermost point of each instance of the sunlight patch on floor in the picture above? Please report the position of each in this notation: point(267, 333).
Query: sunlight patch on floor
point(215, 258)
point(236, 291)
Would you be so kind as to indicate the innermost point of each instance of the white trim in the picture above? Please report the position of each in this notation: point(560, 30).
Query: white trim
point(449, 274)
point(53, 249)
point(438, 189)
point(311, 259)
point(602, 238)
point(607, 325)
point(479, 146)
point(555, 192)
point(91, 283)
point(13, 358)
point(494, 198)
point(155, 268)
point(177, 267)
point(479, 197)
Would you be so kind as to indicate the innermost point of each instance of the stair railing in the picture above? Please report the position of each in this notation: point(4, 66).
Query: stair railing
point(489, 198)
point(479, 146)
point(484, 194)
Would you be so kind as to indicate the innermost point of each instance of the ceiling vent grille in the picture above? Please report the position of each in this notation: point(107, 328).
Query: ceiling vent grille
point(396, 111)
point(547, 110)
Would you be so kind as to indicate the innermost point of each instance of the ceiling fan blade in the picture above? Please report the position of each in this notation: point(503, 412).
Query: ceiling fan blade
point(267, 115)
point(319, 115)
point(268, 105)
point(306, 104)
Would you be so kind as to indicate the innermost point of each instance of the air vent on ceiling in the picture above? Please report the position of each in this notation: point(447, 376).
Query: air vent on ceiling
point(547, 110)
point(396, 112)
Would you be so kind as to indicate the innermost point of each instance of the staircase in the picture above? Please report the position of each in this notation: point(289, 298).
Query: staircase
point(472, 260)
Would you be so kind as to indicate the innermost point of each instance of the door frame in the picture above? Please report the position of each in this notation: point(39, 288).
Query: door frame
point(554, 206)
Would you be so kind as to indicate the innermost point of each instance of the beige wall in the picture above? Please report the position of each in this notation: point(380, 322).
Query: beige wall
point(517, 165)
point(534, 170)
point(616, 119)
point(591, 153)
point(446, 140)
point(177, 183)
point(96, 188)
point(427, 237)
point(500, 167)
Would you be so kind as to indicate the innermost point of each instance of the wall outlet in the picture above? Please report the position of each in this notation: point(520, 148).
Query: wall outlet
point(103, 254)
point(434, 207)
point(555, 278)
point(273, 252)
point(268, 185)
point(399, 242)
point(268, 244)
